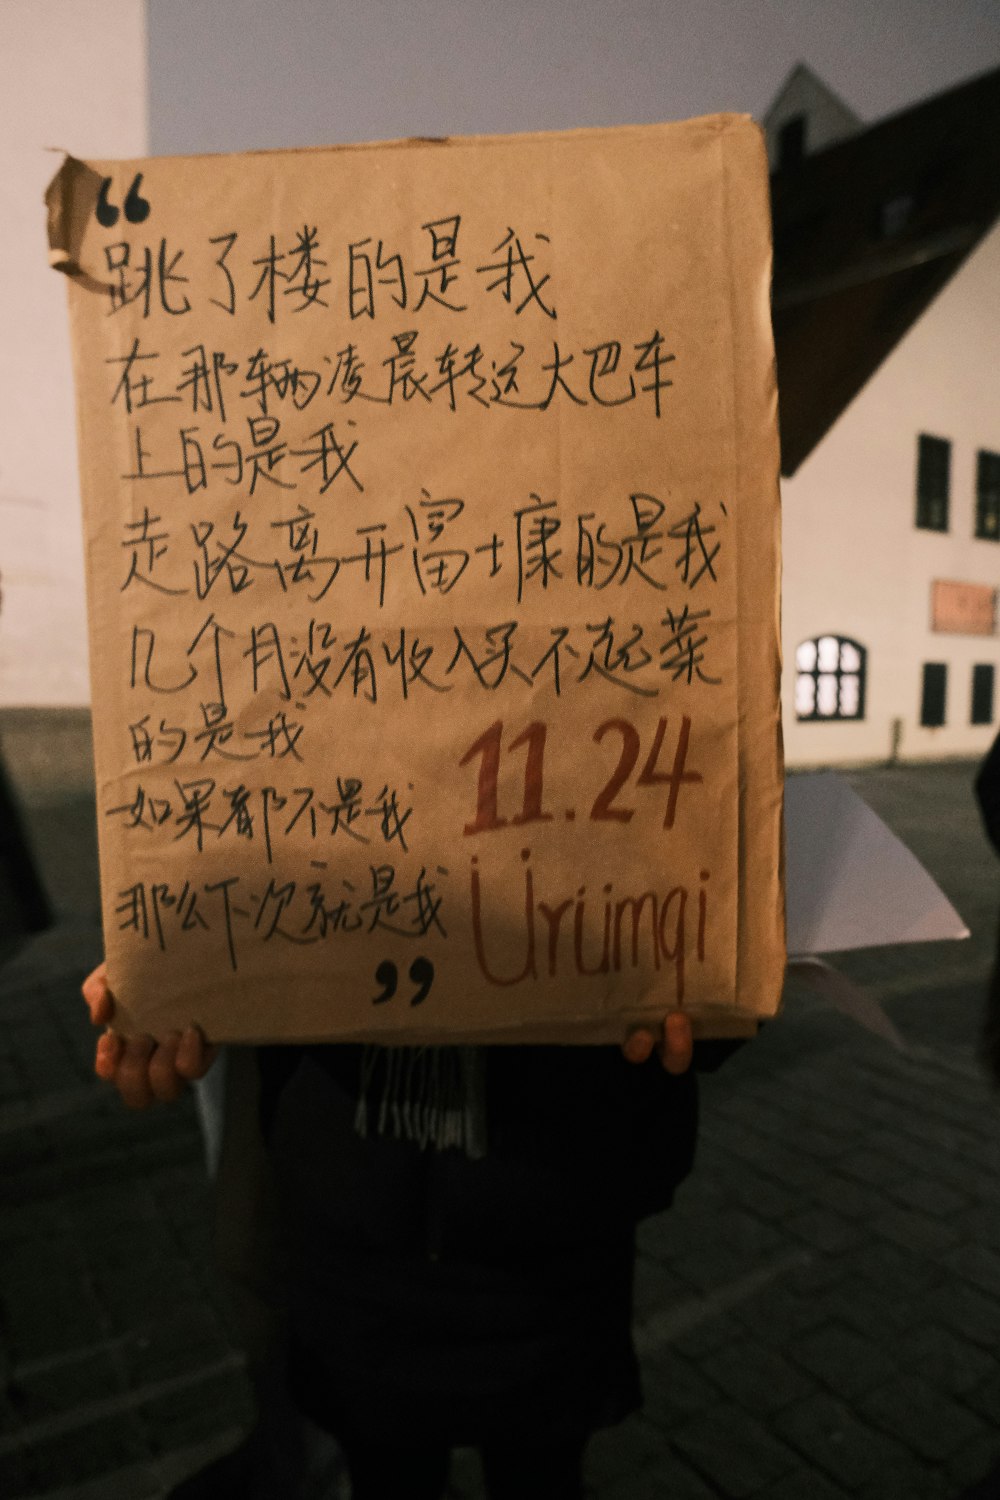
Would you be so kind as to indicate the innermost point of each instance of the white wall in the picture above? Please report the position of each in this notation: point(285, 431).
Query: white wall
point(854, 562)
point(72, 76)
point(828, 118)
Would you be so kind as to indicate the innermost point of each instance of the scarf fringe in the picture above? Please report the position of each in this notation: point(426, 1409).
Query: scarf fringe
point(433, 1096)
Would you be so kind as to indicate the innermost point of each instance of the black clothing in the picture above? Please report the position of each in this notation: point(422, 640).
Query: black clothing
point(988, 793)
point(469, 1302)
point(987, 787)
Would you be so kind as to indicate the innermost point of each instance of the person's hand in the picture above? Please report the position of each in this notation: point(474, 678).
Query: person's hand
point(675, 1043)
point(141, 1068)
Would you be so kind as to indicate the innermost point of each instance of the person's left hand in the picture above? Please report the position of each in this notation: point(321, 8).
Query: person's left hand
point(675, 1043)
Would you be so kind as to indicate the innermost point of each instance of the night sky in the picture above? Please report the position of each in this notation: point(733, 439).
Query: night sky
point(249, 73)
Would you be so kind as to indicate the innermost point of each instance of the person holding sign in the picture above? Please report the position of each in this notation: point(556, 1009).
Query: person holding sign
point(437, 1300)
point(430, 491)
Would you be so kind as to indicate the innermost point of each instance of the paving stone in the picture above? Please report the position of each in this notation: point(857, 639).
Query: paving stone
point(739, 1244)
point(882, 1313)
point(656, 1285)
point(968, 1312)
point(984, 1397)
point(846, 1197)
point(802, 1484)
point(733, 1451)
point(892, 1266)
point(978, 1264)
point(621, 1452)
point(929, 1196)
point(827, 1433)
point(909, 1481)
point(971, 1464)
point(870, 1166)
point(825, 1231)
point(915, 1230)
point(779, 1314)
point(674, 1388)
point(759, 1379)
point(815, 1275)
point(771, 1159)
point(709, 1334)
point(927, 1421)
point(763, 1196)
point(842, 1359)
point(18, 1474)
point(946, 1361)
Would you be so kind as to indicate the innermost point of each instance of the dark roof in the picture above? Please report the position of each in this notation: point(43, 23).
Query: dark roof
point(866, 233)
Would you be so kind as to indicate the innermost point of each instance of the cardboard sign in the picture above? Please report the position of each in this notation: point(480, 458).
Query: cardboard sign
point(430, 498)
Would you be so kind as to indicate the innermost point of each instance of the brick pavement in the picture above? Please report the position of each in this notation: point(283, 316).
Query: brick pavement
point(817, 1318)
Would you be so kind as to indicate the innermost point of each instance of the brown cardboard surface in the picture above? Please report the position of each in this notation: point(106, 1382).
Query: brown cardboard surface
point(430, 501)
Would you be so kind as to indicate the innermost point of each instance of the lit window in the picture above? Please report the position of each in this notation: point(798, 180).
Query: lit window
point(988, 497)
point(830, 679)
point(933, 474)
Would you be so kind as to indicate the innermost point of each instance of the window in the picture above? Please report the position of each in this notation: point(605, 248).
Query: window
point(830, 679)
point(792, 142)
point(982, 694)
point(933, 694)
point(933, 467)
point(988, 496)
point(894, 215)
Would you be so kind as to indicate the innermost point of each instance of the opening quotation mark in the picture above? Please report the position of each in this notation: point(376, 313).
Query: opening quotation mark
point(421, 974)
point(136, 206)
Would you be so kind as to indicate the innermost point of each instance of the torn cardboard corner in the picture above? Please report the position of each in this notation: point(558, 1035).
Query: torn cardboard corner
point(430, 494)
point(70, 199)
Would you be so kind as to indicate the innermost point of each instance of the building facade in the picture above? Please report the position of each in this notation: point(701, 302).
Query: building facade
point(887, 326)
point(892, 548)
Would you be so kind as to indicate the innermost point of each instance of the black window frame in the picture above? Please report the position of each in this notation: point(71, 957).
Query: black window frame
point(793, 138)
point(981, 708)
point(933, 482)
point(988, 496)
point(934, 692)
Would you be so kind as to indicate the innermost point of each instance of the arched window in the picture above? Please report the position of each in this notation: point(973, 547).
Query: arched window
point(830, 678)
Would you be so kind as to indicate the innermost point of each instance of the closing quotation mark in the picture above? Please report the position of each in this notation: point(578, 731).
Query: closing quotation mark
point(387, 975)
point(136, 206)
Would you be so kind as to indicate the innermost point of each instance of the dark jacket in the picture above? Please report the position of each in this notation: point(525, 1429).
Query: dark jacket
point(580, 1143)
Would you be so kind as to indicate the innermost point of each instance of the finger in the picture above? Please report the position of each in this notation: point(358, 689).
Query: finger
point(165, 1081)
point(132, 1080)
point(96, 993)
point(108, 1055)
point(678, 1042)
point(638, 1047)
point(194, 1055)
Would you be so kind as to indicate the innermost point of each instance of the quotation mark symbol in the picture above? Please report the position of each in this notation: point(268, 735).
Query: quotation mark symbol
point(136, 206)
point(421, 974)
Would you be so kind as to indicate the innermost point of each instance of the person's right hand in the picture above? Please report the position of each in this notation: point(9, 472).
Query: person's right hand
point(141, 1068)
